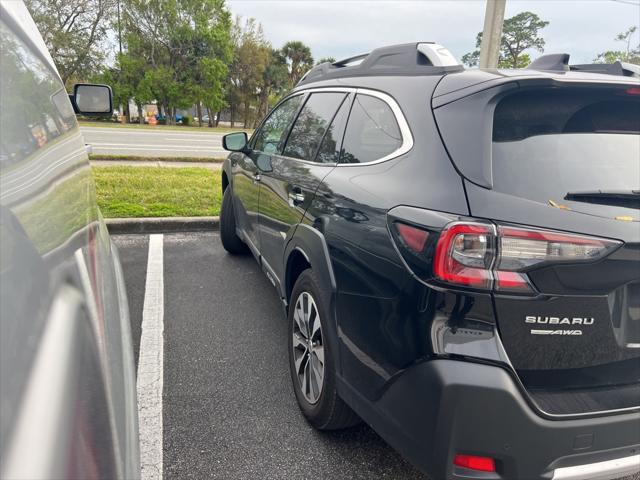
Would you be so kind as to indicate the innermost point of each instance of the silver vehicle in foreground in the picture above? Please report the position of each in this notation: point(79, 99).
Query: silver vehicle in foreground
point(67, 380)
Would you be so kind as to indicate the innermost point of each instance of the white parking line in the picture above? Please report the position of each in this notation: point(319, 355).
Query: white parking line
point(150, 364)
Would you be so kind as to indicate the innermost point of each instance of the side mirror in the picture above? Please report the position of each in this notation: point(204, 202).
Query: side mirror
point(92, 99)
point(235, 142)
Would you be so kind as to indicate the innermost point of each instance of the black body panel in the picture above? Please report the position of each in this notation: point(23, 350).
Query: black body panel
point(439, 369)
point(439, 408)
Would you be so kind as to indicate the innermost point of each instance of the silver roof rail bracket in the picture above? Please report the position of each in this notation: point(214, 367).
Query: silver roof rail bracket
point(437, 55)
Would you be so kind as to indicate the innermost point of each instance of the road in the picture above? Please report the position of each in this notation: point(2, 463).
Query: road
point(228, 406)
point(142, 142)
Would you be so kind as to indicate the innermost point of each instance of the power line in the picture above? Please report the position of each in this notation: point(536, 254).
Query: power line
point(628, 2)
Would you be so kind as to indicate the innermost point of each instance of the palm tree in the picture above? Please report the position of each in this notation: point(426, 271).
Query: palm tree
point(299, 58)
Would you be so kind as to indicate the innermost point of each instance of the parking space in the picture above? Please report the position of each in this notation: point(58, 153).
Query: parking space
point(228, 405)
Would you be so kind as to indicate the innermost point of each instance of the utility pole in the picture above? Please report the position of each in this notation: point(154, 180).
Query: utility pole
point(492, 33)
point(122, 117)
point(119, 29)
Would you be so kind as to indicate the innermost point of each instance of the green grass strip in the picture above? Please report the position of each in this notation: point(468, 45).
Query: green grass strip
point(157, 192)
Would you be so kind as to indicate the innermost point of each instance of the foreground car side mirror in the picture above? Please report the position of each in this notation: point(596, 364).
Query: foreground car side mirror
point(235, 142)
point(92, 99)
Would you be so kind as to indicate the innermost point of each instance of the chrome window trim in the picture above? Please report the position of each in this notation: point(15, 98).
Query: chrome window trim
point(403, 125)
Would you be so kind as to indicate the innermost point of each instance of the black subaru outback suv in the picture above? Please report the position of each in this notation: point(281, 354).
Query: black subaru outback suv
point(458, 254)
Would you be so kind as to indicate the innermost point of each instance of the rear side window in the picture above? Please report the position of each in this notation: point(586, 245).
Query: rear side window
point(548, 144)
point(372, 131)
point(329, 151)
point(273, 133)
point(312, 122)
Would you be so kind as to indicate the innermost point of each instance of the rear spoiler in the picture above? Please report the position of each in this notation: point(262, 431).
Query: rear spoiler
point(559, 62)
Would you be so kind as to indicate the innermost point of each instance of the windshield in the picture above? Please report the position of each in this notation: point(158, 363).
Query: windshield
point(549, 143)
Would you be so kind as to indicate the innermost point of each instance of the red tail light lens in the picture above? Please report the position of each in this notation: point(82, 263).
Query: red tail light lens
point(473, 462)
point(414, 238)
point(481, 256)
point(464, 254)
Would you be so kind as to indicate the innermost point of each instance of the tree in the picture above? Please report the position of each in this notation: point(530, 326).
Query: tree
point(275, 80)
point(246, 74)
point(326, 60)
point(203, 38)
point(75, 32)
point(183, 47)
point(629, 54)
point(299, 59)
point(519, 33)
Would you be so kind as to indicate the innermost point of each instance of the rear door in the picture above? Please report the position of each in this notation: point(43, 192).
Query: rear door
point(566, 161)
point(289, 181)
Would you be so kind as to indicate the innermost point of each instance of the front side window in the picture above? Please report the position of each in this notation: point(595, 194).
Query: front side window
point(372, 131)
point(311, 125)
point(271, 137)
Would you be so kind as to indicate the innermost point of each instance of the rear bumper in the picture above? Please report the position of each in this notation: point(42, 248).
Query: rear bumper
point(617, 468)
point(441, 408)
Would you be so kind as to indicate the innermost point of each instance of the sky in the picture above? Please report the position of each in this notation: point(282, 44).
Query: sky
point(340, 29)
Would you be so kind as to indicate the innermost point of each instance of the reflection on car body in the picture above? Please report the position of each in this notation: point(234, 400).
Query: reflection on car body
point(67, 384)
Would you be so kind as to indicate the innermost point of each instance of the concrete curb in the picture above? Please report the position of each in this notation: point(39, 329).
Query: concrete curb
point(162, 224)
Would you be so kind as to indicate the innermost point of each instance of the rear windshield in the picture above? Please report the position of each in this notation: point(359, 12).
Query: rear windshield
point(548, 143)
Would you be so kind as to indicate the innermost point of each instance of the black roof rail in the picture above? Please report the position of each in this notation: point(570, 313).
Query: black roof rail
point(422, 58)
point(559, 62)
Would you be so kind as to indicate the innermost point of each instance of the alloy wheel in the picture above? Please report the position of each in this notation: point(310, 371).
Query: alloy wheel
point(308, 347)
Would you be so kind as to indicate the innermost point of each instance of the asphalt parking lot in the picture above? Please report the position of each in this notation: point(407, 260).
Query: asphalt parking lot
point(228, 407)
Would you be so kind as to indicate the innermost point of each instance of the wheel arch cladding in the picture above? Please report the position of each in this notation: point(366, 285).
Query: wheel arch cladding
point(296, 264)
point(308, 248)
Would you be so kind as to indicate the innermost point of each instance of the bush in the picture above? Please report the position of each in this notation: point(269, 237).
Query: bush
point(187, 120)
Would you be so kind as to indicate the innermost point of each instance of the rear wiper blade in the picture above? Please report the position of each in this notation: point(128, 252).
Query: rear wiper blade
point(620, 198)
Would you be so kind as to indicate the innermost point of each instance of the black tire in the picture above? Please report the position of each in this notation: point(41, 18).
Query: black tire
point(230, 239)
point(328, 412)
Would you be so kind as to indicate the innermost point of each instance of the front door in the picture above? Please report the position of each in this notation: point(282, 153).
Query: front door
point(248, 168)
point(289, 182)
point(246, 191)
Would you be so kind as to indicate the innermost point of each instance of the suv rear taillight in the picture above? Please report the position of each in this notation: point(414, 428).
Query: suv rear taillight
point(464, 255)
point(483, 256)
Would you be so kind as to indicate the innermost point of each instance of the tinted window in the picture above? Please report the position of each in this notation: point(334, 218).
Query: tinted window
point(547, 144)
point(311, 124)
point(372, 132)
point(329, 151)
point(273, 133)
point(547, 112)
